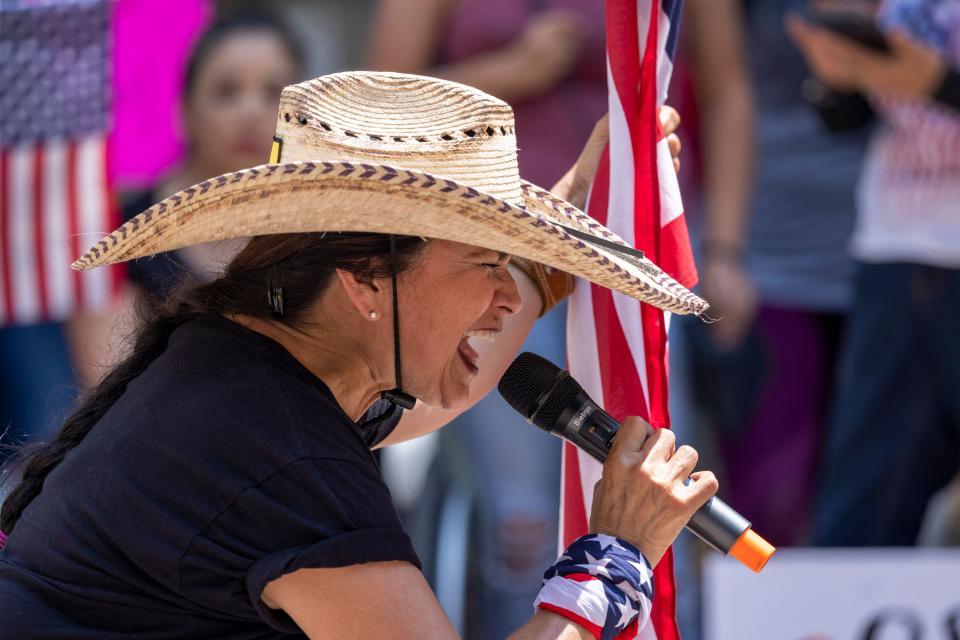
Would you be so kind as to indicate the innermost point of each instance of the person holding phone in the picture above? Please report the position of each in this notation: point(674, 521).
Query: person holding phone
point(898, 373)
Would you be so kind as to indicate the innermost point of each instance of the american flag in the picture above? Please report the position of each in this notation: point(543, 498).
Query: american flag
point(617, 346)
point(54, 194)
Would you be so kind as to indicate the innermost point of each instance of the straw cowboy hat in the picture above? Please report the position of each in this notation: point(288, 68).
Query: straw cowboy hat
point(396, 154)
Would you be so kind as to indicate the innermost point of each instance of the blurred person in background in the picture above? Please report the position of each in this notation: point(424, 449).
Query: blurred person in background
point(712, 91)
point(232, 85)
point(55, 110)
point(895, 436)
point(778, 271)
point(228, 112)
point(547, 60)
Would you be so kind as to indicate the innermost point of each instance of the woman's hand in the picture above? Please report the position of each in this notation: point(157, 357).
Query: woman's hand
point(642, 497)
point(670, 122)
point(575, 185)
point(910, 70)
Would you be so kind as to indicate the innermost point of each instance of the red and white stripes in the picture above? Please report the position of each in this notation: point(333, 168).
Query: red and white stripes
point(54, 202)
point(616, 345)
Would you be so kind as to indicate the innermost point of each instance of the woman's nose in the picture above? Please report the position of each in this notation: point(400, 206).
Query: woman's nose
point(508, 296)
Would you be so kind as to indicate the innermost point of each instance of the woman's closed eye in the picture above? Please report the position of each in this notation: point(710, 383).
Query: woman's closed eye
point(498, 268)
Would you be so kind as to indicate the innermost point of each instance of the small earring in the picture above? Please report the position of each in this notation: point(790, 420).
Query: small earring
point(373, 315)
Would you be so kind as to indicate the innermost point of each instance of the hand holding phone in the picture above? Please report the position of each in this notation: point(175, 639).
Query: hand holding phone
point(854, 26)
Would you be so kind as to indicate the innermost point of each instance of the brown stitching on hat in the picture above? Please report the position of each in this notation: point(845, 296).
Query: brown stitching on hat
point(302, 119)
point(368, 170)
point(286, 117)
point(307, 168)
point(413, 178)
point(327, 167)
point(389, 173)
point(221, 180)
point(204, 186)
point(451, 186)
point(430, 181)
point(289, 168)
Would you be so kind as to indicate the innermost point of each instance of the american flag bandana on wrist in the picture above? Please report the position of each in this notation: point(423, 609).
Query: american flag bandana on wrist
point(602, 583)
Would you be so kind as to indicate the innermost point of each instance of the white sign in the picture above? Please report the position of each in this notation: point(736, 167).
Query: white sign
point(835, 594)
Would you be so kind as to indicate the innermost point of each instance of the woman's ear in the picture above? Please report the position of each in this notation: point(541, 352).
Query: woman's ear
point(366, 294)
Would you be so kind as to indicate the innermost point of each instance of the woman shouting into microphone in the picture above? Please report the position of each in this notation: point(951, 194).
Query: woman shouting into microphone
point(219, 482)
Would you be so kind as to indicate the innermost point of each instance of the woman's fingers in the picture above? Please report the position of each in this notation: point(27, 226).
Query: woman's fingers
point(673, 144)
point(684, 461)
point(630, 436)
point(702, 486)
point(669, 119)
point(659, 447)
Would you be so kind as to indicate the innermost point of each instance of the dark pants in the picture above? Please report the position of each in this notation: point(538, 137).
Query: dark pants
point(895, 435)
point(771, 464)
point(766, 404)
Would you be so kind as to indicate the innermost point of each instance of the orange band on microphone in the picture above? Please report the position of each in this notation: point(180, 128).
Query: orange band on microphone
point(752, 550)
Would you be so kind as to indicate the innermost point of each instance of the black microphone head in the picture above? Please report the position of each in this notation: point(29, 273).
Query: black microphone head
point(527, 379)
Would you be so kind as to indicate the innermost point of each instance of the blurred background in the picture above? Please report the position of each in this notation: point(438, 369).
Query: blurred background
point(826, 218)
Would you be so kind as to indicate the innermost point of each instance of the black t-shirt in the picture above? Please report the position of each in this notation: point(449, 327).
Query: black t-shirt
point(225, 465)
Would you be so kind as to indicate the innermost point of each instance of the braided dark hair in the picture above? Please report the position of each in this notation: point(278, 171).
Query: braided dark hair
point(303, 264)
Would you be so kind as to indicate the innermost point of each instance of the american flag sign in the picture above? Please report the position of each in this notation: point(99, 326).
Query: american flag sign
point(54, 195)
point(617, 346)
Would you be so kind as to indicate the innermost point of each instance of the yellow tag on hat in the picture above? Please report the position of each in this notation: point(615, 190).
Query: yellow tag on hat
point(275, 150)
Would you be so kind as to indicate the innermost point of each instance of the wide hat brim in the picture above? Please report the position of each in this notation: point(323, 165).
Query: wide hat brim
point(297, 197)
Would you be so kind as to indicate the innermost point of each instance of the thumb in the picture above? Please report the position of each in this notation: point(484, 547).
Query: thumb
point(900, 42)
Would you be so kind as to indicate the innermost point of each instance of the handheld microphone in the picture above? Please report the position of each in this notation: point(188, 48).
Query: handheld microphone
point(551, 399)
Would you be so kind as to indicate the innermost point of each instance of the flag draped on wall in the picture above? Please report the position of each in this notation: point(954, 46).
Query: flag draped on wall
point(55, 198)
point(617, 346)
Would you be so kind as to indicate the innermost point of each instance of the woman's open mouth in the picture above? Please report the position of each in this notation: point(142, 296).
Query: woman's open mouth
point(469, 356)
